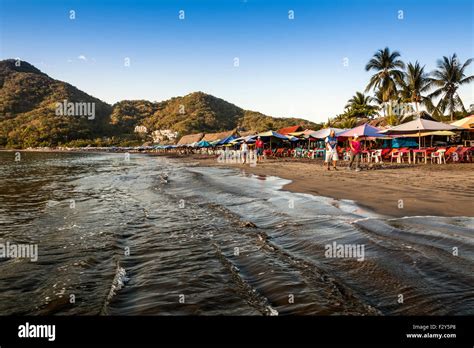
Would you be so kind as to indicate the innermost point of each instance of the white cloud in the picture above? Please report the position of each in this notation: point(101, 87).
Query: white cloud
point(82, 57)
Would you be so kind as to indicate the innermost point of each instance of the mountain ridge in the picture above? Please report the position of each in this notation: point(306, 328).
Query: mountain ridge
point(28, 115)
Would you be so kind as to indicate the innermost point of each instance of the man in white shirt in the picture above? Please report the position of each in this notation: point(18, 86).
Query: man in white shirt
point(244, 149)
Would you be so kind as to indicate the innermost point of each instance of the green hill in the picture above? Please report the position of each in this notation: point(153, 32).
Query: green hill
point(28, 101)
point(197, 112)
point(28, 113)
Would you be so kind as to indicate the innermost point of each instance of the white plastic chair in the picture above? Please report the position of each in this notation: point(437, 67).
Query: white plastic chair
point(438, 156)
point(377, 156)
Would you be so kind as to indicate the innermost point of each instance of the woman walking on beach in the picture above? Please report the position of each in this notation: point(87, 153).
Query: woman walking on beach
point(331, 149)
point(355, 153)
point(244, 148)
point(259, 146)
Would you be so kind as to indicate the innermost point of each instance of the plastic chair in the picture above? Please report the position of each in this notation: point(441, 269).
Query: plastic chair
point(438, 156)
point(464, 154)
point(376, 156)
point(279, 152)
point(397, 155)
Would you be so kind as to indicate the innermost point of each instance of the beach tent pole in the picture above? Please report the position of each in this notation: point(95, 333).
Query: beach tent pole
point(419, 139)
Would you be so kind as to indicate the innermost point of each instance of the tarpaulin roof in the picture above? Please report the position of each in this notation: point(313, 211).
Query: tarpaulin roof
point(218, 136)
point(248, 139)
point(190, 138)
point(226, 140)
point(419, 125)
point(404, 142)
point(288, 130)
point(466, 122)
point(365, 130)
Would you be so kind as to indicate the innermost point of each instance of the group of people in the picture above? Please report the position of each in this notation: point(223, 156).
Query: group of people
point(244, 150)
point(331, 151)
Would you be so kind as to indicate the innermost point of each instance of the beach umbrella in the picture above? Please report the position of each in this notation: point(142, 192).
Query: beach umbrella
point(363, 131)
point(272, 134)
point(466, 123)
point(418, 126)
point(323, 133)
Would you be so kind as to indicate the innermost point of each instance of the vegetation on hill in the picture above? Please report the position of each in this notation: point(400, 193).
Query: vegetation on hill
point(28, 101)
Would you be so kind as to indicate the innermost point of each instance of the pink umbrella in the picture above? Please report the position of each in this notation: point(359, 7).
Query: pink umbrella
point(365, 130)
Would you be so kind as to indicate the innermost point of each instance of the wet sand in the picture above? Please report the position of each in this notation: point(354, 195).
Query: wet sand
point(396, 190)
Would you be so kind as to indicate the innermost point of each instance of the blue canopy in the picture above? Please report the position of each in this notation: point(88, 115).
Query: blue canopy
point(248, 139)
point(404, 142)
point(203, 143)
point(226, 140)
point(272, 134)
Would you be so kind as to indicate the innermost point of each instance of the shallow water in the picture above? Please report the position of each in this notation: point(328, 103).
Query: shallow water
point(153, 236)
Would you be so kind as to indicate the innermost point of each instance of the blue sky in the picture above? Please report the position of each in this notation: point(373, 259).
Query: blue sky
point(286, 67)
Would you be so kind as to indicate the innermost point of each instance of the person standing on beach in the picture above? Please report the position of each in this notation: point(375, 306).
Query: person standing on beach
point(244, 148)
point(331, 149)
point(259, 146)
point(355, 152)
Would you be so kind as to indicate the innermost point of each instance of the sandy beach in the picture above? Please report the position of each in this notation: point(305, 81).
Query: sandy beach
point(431, 190)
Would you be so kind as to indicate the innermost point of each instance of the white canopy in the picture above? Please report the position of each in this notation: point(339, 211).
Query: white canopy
point(324, 133)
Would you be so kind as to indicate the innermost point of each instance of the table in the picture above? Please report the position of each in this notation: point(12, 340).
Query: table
point(366, 153)
point(406, 151)
point(319, 151)
point(421, 151)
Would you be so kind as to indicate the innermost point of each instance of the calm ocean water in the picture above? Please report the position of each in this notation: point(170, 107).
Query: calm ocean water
point(153, 236)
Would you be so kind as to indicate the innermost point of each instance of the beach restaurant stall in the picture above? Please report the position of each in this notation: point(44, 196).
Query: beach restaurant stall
point(467, 124)
point(271, 137)
point(421, 128)
point(318, 137)
point(365, 132)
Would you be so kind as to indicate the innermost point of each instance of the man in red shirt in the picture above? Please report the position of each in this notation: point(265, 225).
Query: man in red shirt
point(355, 152)
point(259, 146)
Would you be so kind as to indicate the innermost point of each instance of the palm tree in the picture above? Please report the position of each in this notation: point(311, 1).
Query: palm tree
point(347, 123)
point(386, 64)
point(359, 99)
point(359, 106)
point(414, 83)
point(447, 78)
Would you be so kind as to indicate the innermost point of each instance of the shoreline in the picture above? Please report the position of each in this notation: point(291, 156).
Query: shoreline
point(416, 190)
point(420, 190)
